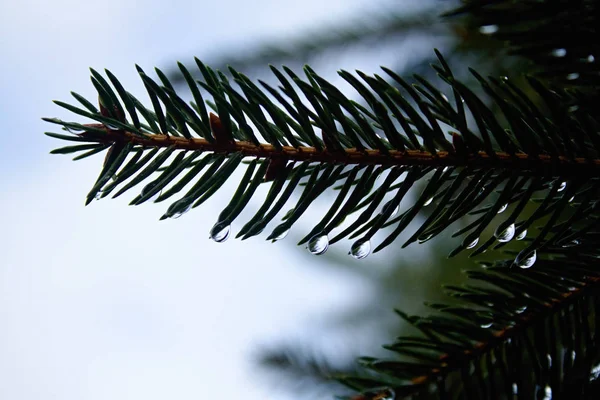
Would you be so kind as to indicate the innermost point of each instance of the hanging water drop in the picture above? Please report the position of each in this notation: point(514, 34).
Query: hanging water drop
point(360, 249)
point(488, 29)
point(562, 186)
point(426, 238)
point(507, 234)
point(515, 388)
point(318, 244)
point(111, 127)
point(521, 235)
point(571, 199)
point(180, 212)
point(549, 359)
point(572, 76)
point(521, 310)
point(473, 243)
point(148, 188)
point(220, 231)
point(572, 243)
point(526, 260)
point(503, 208)
point(547, 393)
point(73, 129)
point(486, 325)
point(590, 58)
point(559, 52)
point(386, 206)
point(428, 201)
point(445, 169)
point(98, 195)
point(281, 236)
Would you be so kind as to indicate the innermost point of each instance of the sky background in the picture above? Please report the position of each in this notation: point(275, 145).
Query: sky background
point(105, 301)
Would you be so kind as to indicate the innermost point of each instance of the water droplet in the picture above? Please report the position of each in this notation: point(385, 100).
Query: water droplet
point(547, 393)
point(98, 195)
point(572, 243)
point(562, 186)
point(521, 235)
point(503, 208)
point(112, 127)
point(507, 234)
point(360, 249)
point(515, 388)
point(473, 243)
point(426, 238)
point(148, 188)
point(572, 76)
point(504, 78)
point(486, 325)
point(571, 199)
point(73, 129)
point(318, 244)
point(281, 236)
point(445, 97)
point(526, 260)
point(488, 29)
point(573, 108)
point(386, 206)
point(521, 310)
point(445, 169)
point(559, 52)
point(590, 58)
point(595, 372)
point(428, 201)
point(549, 359)
point(181, 208)
point(573, 355)
point(220, 231)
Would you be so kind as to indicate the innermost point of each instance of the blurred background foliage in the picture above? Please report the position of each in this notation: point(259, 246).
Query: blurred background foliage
point(400, 35)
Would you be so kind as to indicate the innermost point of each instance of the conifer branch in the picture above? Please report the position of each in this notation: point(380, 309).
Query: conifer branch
point(542, 165)
point(517, 322)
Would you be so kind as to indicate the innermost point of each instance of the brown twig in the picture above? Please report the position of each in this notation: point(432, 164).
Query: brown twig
point(543, 165)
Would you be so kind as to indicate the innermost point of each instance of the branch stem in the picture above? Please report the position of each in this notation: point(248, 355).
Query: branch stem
point(542, 164)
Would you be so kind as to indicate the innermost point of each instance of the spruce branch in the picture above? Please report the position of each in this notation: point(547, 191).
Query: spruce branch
point(530, 171)
point(399, 131)
point(519, 332)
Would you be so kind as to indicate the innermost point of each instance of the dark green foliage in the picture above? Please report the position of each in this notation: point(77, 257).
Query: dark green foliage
point(492, 165)
point(522, 163)
point(528, 331)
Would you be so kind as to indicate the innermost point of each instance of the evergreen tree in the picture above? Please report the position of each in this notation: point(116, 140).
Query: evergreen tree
point(527, 323)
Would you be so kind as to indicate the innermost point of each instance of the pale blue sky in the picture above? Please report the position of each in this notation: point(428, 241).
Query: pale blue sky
point(105, 301)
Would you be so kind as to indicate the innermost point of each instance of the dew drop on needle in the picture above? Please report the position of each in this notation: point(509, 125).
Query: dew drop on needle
point(360, 249)
point(318, 244)
point(220, 232)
